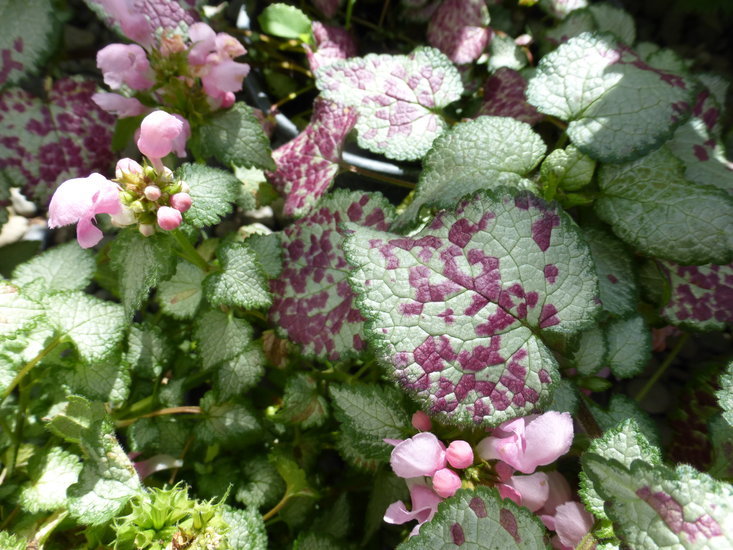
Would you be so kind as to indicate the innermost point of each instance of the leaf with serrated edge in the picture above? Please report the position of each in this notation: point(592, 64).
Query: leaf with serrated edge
point(269, 252)
point(236, 375)
point(246, 528)
point(148, 350)
point(221, 337)
point(594, 83)
point(94, 326)
point(623, 407)
point(654, 506)
point(725, 393)
point(701, 296)
point(226, 423)
point(603, 17)
point(458, 311)
point(141, 262)
point(107, 381)
point(180, 295)
point(212, 191)
point(615, 269)
point(241, 281)
point(478, 154)
point(624, 443)
point(26, 37)
point(481, 520)
point(504, 53)
point(651, 206)
point(371, 413)
point(307, 164)
point(16, 311)
point(51, 474)
point(235, 136)
point(65, 267)
point(590, 353)
point(629, 346)
point(396, 96)
point(312, 301)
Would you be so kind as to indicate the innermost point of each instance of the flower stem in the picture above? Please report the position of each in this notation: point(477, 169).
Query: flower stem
point(376, 175)
point(279, 506)
point(291, 96)
point(189, 252)
point(662, 368)
point(192, 409)
point(27, 367)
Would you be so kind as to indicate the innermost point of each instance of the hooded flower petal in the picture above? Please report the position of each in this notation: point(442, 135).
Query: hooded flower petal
point(119, 105)
point(446, 482)
point(203, 38)
point(421, 455)
point(534, 489)
point(78, 201)
point(572, 523)
point(424, 505)
point(125, 64)
point(225, 76)
point(158, 134)
point(459, 454)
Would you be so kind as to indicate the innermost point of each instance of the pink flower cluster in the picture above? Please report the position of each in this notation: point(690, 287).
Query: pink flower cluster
point(523, 444)
point(421, 457)
point(79, 200)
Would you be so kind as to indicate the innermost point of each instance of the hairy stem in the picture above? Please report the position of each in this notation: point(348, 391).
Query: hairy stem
point(662, 368)
point(189, 252)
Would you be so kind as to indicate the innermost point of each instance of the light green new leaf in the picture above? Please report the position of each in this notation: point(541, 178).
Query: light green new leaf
point(651, 206)
point(212, 190)
point(619, 108)
point(286, 22)
point(64, 267)
point(235, 136)
point(148, 350)
point(504, 52)
point(141, 262)
point(303, 403)
point(629, 346)
point(241, 281)
point(226, 423)
point(653, 506)
point(51, 473)
point(94, 326)
point(624, 443)
point(567, 168)
point(479, 519)
point(108, 380)
point(479, 154)
point(221, 337)
point(180, 295)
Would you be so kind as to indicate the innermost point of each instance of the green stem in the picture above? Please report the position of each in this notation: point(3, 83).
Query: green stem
point(376, 175)
point(27, 367)
point(48, 527)
point(279, 506)
point(349, 11)
point(662, 368)
point(189, 252)
point(291, 96)
point(192, 409)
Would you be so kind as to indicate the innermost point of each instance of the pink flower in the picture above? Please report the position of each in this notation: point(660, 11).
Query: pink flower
point(161, 133)
point(424, 505)
point(421, 421)
point(528, 442)
point(421, 455)
point(125, 64)
point(179, 142)
point(169, 218)
point(459, 454)
point(152, 192)
point(559, 493)
point(446, 482)
point(135, 25)
point(228, 46)
point(533, 490)
point(119, 105)
point(78, 201)
point(181, 202)
point(224, 76)
point(203, 38)
point(571, 523)
point(127, 166)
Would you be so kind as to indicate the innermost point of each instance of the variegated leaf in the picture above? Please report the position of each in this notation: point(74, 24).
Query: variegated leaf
point(459, 29)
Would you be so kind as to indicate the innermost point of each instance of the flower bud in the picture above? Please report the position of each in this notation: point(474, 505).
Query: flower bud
point(181, 201)
point(421, 421)
point(150, 172)
point(127, 166)
point(459, 454)
point(137, 207)
point(152, 192)
point(146, 230)
point(169, 218)
point(446, 482)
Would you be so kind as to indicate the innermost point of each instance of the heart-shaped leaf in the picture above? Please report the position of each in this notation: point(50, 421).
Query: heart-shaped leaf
point(307, 164)
point(312, 301)
point(165, 14)
point(592, 79)
point(458, 311)
point(397, 98)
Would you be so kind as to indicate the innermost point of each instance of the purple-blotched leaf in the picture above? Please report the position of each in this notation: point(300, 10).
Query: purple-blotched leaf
point(701, 295)
point(504, 95)
point(26, 28)
point(458, 311)
point(458, 28)
point(327, 7)
point(307, 164)
point(697, 144)
point(43, 143)
point(166, 14)
point(313, 303)
point(397, 98)
point(332, 44)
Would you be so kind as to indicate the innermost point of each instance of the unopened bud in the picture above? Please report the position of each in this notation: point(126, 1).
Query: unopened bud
point(173, 188)
point(146, 230)
point(150, 172)
point(152, 192)
point(127, 166)
point(126, 197)
point(446, 482)
point(181, 201)
point(421, 421)
point(137, 207)
point(184, 187)
point(169, 218)
point(459, 454)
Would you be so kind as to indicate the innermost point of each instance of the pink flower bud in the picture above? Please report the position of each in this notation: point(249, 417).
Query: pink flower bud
point(181, 202)
point(125, 64)
point(169, 218)
point(446, 482)
point(158, 132)
point(119, 105)
point(146, 230)
point(152, 192)
point(421, 421)
point(127, 166)
point(459, 454)
point(421, 455)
